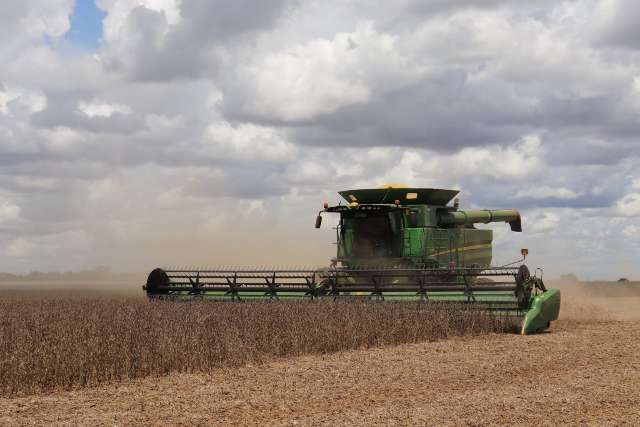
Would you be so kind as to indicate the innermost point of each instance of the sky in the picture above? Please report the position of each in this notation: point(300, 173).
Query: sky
point(136, 133)
point(85, 25)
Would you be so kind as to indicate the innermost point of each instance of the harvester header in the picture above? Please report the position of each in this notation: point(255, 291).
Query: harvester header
point(393, 243)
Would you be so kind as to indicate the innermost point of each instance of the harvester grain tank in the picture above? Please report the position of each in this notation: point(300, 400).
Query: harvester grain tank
point(393, 243)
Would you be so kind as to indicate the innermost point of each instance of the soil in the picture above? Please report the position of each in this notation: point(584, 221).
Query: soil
point(585, 370)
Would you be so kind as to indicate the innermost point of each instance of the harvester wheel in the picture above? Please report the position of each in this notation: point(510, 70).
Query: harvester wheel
point(157, 279)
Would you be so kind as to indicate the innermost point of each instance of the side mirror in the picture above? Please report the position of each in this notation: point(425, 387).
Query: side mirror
point(318, 221)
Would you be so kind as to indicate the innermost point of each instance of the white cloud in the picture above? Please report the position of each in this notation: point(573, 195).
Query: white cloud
point(516, 161)
point(304, 82)
point(615, 22)
point(97, 108)
point(246, 142)
point(18, 248)
point(5, 98)
point(198, 114)
point(542, 223)
point(309, 171)
point(8, 211)
point(102, 189)
point(629, 205)
point(430, 168)
point(171, 8)
point(48, 17)
point(546, 192)
point(62, 138)
point(32, 101)
point(37, 183)
point(119, 10)
point(319, 77)
point(408, 169)
point(631, 231)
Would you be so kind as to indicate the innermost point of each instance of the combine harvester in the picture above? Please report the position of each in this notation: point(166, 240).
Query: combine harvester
point(394, 243)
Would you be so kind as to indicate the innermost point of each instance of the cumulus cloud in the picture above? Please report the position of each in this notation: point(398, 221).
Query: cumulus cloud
point(631, 231)
point(246, 142)
point(197, 119)
point(629, 205)
point(543, 222)
point(160, 40)
point(546, 192)
point(8, 211)
point(308, 81)
point(34, 18)
point(19, 247)
point(96, 108)
point(616, 23)
point(17, 101)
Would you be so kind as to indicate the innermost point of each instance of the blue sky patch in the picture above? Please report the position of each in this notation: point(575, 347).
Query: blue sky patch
point(86, 25)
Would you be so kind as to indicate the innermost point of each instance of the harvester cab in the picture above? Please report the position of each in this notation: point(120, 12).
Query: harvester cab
point(413, 227)
point(393, 243)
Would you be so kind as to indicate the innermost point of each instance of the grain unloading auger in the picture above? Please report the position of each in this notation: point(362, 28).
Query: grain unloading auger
point(393, 243)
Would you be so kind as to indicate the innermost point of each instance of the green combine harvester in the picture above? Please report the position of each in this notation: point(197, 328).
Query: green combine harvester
point(394, 243)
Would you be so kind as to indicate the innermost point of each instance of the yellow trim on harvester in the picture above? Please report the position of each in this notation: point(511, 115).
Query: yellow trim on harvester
point(466, 248)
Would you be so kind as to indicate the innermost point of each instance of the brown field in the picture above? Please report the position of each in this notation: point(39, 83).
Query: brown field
point(67, 341)
point(586, 370)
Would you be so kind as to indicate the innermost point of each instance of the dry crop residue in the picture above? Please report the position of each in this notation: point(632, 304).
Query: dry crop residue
point(581, 372)
point(586, 370)
point(53, 343)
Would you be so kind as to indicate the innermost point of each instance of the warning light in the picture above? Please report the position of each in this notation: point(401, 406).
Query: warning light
point(326, 205)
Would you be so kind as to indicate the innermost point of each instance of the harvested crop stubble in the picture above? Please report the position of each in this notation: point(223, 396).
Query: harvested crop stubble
point(66, 343)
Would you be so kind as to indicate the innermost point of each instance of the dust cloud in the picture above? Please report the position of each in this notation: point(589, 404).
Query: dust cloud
point(599, 301)
point(245, 245)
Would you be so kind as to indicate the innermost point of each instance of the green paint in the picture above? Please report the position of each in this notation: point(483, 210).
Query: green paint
point(413, 228)
point(419, 230)
point(545, 308)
